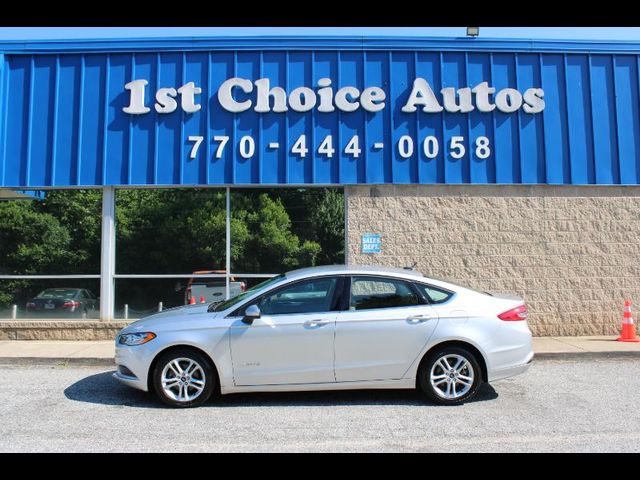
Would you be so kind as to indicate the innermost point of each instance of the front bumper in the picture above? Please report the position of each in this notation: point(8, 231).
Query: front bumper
point(136, 360)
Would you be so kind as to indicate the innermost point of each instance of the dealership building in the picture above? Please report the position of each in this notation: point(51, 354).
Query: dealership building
point(504, 165)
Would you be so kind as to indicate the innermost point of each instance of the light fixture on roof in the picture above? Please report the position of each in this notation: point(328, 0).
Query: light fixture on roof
point(473, 31)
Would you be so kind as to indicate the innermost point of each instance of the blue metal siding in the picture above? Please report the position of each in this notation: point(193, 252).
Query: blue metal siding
point(62, 124)
point(3, 111)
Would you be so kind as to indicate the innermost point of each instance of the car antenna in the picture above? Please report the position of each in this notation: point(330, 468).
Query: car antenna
point(412, 266)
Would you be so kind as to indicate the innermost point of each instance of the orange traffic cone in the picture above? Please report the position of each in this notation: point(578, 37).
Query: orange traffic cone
point(628, 333)
point(201, 298)
point(192, 301)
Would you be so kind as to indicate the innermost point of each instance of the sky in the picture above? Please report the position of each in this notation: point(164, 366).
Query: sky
point(567, 33)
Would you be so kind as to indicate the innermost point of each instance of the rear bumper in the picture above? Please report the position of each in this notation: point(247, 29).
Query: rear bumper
point(512, 370)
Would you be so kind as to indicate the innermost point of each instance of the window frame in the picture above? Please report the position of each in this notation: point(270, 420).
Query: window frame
point(428, 298)
point(336, 301)
point(422, 301)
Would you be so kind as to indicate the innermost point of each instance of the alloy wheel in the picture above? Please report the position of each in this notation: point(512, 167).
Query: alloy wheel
point(451, 376)
point(183, 379)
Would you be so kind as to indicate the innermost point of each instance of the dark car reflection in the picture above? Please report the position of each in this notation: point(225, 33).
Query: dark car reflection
point(64, 302)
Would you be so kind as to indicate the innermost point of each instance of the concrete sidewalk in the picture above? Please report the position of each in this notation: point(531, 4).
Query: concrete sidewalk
point(102, 352)
point(32, 352)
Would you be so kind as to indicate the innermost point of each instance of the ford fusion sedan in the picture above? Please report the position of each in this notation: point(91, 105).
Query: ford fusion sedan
point(330, 328)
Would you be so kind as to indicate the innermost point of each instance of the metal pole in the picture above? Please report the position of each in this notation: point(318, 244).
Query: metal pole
point(14, 312)
point(107, 254)
point(228, 245)
point(159, 306)
point(126, 311)
point(346, 226)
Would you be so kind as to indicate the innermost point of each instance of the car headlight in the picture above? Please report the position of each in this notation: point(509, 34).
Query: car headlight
point(136, 338)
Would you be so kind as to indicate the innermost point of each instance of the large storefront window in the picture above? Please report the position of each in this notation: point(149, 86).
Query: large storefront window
point(162, 231)
point(50, 255)
point(276, 230)
point(170, 246)
point(177, 232)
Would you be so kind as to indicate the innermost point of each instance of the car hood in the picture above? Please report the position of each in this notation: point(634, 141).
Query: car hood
point(182, 317)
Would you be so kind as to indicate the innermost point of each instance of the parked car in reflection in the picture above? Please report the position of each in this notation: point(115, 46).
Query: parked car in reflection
point(64, 302)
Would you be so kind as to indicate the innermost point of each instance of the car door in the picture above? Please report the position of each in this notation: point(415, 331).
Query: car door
point(292, 341)
point(386, 326)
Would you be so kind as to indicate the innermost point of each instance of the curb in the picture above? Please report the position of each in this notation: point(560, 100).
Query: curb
point(586, 355)
point(58, 361)
point(110, 362)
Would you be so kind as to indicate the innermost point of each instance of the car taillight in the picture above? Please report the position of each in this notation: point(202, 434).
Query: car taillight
point(243, 286)
point(515, 314)
point(70, 304)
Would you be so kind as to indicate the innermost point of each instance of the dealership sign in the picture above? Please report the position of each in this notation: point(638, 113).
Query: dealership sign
point(269, 113)
point(238, 95)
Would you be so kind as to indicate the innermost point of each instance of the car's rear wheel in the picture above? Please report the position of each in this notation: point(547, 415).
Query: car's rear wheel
point(183, 378)
point(450, 376)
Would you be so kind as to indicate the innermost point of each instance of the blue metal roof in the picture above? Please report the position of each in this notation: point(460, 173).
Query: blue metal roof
point(316, 42)
point(62, 122)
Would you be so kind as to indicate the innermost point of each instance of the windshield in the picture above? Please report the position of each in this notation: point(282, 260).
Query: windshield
point(218, 307)
point(57, 293)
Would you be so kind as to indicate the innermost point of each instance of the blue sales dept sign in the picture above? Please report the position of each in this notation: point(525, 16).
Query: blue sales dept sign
point(371, 243)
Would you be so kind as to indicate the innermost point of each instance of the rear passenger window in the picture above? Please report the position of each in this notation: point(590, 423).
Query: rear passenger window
point(433, 294)
point(371, 292)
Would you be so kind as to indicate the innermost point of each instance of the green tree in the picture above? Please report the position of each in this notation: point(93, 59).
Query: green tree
point(327, 217)
point(274, 247)
point(30, 242)
point(80, 213)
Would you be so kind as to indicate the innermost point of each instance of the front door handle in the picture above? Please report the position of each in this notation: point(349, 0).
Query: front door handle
point(418, 318)
point(315, 323)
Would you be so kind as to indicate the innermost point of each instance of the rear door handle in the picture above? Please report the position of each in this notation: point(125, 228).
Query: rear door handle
point(418, 318)
point(315, 323)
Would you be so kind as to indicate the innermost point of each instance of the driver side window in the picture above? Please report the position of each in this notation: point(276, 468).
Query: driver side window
point(310, 296)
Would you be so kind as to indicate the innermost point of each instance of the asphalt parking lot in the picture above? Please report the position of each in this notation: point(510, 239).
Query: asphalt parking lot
point(585, 405)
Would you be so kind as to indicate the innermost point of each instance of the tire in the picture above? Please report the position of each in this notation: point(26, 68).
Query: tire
point(173, 393)
point(465, 381)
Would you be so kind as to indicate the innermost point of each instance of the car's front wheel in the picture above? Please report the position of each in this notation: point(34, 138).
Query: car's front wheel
point(183, 378)
point(450, 376)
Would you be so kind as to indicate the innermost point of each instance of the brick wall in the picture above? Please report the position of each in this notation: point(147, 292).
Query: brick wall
point(573, 253)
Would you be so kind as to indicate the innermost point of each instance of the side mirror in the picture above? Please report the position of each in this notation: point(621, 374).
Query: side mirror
point(250, 314)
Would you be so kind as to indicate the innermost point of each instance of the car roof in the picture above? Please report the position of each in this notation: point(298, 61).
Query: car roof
point(353, 270)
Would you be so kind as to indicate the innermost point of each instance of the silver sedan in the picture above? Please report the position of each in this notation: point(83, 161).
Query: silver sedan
point(329, 328)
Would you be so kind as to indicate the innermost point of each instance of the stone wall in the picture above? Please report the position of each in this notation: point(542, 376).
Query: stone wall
point(573, 253)
point(60, 329)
